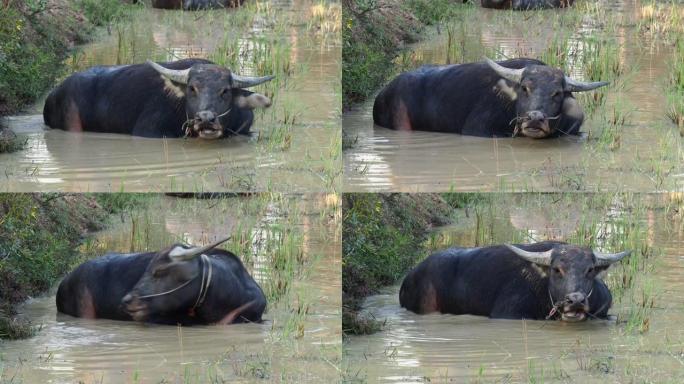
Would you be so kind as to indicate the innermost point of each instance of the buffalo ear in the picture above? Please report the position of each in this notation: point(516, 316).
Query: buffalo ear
point(250, 100)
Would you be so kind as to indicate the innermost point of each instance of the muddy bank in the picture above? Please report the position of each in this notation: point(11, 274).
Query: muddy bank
point(39, 234)
point(35, 38)
point(374, 32)
point(382, 239)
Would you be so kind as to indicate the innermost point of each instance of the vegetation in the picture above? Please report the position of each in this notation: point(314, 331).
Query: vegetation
point(383, 235)
point(39, 234)
point(35, 37)
point(373, 33)
point(644, 310)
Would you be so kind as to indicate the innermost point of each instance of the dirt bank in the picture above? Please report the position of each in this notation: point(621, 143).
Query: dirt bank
point(39, 234)
point(382, 237)
point(374, 32)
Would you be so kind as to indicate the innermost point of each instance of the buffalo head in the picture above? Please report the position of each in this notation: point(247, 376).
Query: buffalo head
point(210, 92)
point(176, 280)
point(571, 271)
point(538, 92)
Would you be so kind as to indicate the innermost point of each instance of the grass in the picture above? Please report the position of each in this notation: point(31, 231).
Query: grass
point(286, 242)
point(38, 237)
point(623, 147)
point(10, 142)
point(627, 349)
point(382, 236)
point(675, 89)
point(373, 32)
point(34, 42)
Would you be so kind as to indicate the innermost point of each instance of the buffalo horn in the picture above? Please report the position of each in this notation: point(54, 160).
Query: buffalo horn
point(578, 86)
point(180, 253)
point(247, 81)
point(540, 258)
point(514, 75)
point(176, 75)
point(605, 259)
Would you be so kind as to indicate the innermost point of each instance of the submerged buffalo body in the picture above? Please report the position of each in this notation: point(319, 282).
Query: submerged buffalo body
point(535, 281)
point(180, 285)
point(487, 99)
point(523, 5)
point(191, 97)
point(195, 4)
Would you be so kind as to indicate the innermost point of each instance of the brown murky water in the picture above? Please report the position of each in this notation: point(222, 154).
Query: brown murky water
point(446, 348)
point(648, 157)
point(295, 146)
point(68, 350)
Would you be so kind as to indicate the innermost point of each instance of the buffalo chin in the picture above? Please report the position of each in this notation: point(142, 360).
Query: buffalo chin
point(574, 316)
point(538, 131)
point(211, 132)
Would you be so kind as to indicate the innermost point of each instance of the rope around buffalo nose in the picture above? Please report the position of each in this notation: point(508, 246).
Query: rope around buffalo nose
point(186, 127)
point(556, 306)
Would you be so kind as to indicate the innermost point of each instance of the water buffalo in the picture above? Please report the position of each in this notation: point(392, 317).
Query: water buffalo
point(191, 97)
point(487, 99)
point(535, 281)
point(195, 4)
point(524, 5)
point(178, 285)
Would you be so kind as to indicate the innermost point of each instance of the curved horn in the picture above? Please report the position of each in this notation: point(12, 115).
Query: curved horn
point(179, 76)
point(248, 81)
point(605, 259)
point(578, 86)
point(183, 254)
point(540, 258)
point(514, 75)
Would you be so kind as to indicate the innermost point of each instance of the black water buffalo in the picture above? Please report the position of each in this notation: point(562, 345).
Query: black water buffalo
point(524, 5)
point(179, 285)
point(534, 281)
point(487, 99)
point(195, 4)
point(191, 97)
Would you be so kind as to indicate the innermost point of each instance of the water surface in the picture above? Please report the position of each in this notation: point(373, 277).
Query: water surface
point(68, 349)
point(295, 146)
point(446, 348)
point(646, 157)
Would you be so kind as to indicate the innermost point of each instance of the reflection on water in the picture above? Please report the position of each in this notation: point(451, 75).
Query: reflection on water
point(68, 350)
point(294, 141)
point(446, 348)
point(648, 147)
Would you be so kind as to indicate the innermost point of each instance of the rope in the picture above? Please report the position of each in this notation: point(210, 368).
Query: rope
point(204, 285)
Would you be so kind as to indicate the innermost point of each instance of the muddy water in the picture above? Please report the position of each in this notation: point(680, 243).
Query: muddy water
point(68, 350)
point(387, 160)
point(445, 348)
point(63, 161)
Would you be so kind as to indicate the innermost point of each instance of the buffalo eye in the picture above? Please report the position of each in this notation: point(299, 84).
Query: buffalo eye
point(557, 270)
point(526, 89)
point(193, 89)
point(224, 92)
point(556, 94)
point(590, 270)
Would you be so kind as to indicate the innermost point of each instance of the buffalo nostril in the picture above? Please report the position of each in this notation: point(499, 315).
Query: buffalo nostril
point(536, 116)
point(205, 116)
point(574, 298)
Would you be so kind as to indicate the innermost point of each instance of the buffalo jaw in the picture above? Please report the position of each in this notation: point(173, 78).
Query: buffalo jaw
point(535, 129)
point(135, 307)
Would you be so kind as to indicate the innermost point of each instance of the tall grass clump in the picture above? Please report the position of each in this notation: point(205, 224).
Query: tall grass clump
point(675, 92)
